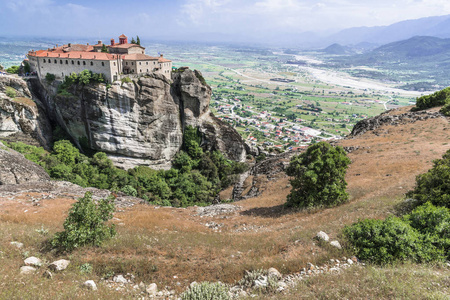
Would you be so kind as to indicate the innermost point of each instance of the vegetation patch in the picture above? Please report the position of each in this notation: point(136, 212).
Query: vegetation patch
point(436, 99)
point(318, 177)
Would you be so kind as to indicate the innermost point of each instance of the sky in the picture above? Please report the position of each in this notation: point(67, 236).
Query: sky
point(181, 19)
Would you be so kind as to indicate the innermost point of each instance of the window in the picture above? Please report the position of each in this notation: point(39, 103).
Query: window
point(49, 61)
point(140, 71)
point(67, 62)
point(78, 62)
point(92, 63)
point(126, 63)
point(44, 60)
point(60, 61)
point(84, 63)
point(139, 63)
point(147, 70)
point(132, 63)
point(146, 63)
point(103, 63)
point(73, 62)
point(56, 61)
point(114, 64)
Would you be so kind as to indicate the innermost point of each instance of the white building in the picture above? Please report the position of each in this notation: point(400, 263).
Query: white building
point(121, 59)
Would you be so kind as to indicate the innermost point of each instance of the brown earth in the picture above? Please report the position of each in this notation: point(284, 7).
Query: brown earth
point(158, 243)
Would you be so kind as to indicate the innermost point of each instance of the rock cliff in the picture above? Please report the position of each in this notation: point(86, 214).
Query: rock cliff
point(140, 122)
point(16, 169)
point(20, 117)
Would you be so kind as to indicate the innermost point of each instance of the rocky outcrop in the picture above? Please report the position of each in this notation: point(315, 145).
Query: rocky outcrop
point(141, 122)
point(21, 118)
point(371, 124)
point(16, 169)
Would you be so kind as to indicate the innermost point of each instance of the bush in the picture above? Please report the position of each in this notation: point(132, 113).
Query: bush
point(129, 190)
point(13, 70)
point(437, 99)
point(50, 77)
point(434, 186)
point(206, 291)
point(318, 177)
point(387, 241)
point(445, 110)
point(434, 224)
point(85, 224)
point(10, 92)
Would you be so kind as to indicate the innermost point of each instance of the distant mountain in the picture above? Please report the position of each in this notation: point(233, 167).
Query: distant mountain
point(416, 47)
point(337, 49)
point(431, 26)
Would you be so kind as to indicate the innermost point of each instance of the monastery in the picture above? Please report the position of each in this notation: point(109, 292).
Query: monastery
point(122, 58)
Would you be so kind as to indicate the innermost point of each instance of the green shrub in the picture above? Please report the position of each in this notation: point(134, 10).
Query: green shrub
point(10, 92)
point(85, 224)
point(206, 291)
point(129, 190)
point(445, 110)
point(50, 77)
point(318, 177)
point(13, 70)
point(86, 268)
point(126, 80)
point(437, 99)
point(387, 241)
point(434, 224)
point(434, 186)
point(248, 281)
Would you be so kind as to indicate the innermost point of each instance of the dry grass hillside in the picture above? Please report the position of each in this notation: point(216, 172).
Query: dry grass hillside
point(174, 247)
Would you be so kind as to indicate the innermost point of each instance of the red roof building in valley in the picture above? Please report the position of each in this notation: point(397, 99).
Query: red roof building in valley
point(114, 61)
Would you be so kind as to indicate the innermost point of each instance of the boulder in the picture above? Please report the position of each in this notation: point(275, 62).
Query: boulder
point(33, 261)
point(322, 236)
point(336, 244)
point(120, 279)
point(90, 285)
point(16, 244)
point(59, 265)
point(152, 289)
point(16, 169)
point(27, 270)
point(274, 273)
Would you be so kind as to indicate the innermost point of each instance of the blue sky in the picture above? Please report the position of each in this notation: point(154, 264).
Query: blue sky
point(175, 19)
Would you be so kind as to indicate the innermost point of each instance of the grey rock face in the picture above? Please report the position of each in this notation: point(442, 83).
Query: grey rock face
point(21, 115)
point(371, 124)
point(16, 169)
point(141, 122)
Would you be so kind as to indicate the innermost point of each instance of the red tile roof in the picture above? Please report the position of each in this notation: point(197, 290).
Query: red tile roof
point(139, 56)
point(126, 46)
point(74, 55)
point(123, 36)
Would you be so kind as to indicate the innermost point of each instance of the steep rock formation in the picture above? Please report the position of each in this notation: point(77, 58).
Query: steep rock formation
point(141, 122)
point(20, 117)
point(16, 169)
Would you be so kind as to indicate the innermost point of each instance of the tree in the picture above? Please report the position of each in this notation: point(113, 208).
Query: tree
point(85, 224)
point(434, 186)
point(138, 40)
point(104, 49)
point(318, 177)
point(133, 41)
point(13, 70)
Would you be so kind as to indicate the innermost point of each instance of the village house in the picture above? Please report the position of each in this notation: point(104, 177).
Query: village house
point(120, 59)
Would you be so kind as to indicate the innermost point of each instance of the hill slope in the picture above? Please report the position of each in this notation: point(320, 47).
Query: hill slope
point(173, 247)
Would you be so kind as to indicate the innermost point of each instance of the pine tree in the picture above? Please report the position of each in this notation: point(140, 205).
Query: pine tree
point(138, 40)
point(133, 41)
point(104, 49)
